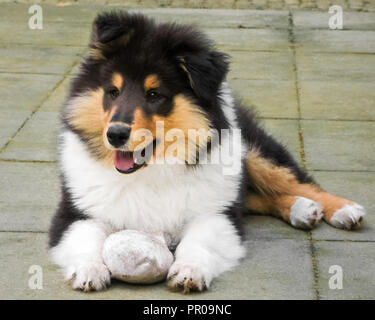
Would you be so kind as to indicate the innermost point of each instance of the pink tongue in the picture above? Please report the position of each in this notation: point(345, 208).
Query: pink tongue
point(124, 160)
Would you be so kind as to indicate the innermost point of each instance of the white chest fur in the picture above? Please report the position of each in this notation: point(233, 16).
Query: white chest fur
point(157, 198)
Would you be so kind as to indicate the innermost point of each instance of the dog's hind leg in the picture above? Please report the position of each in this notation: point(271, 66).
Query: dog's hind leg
point(276, 190)
point(300, 212)
point(338, 212)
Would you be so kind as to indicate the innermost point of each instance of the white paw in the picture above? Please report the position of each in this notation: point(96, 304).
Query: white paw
point(186, 277)
point(305, 213)
point(93, 276)
point(348, 217)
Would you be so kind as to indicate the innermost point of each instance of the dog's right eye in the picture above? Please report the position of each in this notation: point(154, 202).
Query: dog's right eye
point(152, 96)
point(114, 93)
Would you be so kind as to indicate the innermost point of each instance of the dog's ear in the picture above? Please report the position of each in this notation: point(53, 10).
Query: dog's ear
point(111, 30)
point(109, 26)
point(205, 71)
point(205, 68)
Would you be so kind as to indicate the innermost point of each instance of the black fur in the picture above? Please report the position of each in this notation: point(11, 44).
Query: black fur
point(66, 214)
point(269, 148)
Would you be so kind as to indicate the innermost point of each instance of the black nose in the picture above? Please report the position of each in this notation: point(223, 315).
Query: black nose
point(118, 134)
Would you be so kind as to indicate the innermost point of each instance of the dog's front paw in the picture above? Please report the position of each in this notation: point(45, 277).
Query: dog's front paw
point(93, 276)
point(186, 277)
point(348, 217)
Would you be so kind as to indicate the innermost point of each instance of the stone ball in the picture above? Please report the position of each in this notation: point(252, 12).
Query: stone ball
point(137, 257)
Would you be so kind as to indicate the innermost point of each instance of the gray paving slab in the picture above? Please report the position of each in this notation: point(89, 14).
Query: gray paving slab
point(202, 17)
point(74, 71)
point(356, 186)
point(214, 18)
point(57, 98)
point(335, 41)
point(356, 260)
point(269, 98)
point(15, 107)
point(29, 195)
point(339, 145)
point(266, 273)
point(227, 4)
point(37, 59)
point(10, 121)
point(261, 65)
point(285, 132)
point(319, 20)
point(51, 13)
point(337, 100)
point(269, 228)
point(37, 140)
point(335, 66)
point(249, 39)
point(53, 33)
point(21, 251)
point(25, 91)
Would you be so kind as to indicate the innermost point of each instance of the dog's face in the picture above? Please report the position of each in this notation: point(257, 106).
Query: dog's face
point(140, 85)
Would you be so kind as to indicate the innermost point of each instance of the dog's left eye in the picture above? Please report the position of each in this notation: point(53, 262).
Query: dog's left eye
point(114, 93)
point(152, 96)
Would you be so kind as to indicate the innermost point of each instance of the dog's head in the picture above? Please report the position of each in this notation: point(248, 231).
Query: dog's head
point(139, 77)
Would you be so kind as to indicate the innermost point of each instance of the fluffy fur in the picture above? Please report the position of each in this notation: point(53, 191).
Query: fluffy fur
point(138, 73)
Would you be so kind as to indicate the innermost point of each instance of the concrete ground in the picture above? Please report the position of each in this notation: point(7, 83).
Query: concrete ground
point(313, 88)
point(316, 5)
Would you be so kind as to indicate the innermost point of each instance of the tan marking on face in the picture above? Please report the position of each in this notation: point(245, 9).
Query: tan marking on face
point(185, 115)
point(87, 115)
point(107, 123)
point(117, 80)
point(140, 122)
point(151, 82)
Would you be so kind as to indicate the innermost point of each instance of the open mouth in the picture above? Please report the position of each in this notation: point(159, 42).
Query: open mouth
point(130, 161)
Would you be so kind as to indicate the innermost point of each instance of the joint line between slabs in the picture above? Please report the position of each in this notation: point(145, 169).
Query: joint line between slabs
point(65, 75)
point(314, 262)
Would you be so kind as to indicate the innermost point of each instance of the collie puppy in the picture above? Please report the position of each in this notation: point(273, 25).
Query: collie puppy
point(153, 140)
